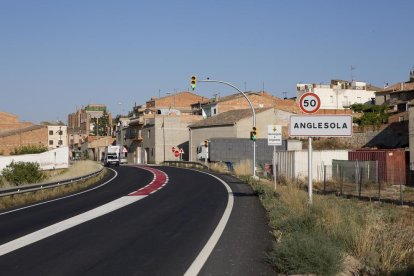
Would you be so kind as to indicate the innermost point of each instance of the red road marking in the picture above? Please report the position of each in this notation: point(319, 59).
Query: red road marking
point(159, 180)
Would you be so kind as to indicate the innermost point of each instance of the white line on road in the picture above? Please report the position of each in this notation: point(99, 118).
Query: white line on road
point(202, 257)
point(68, 223)
point(64, 197)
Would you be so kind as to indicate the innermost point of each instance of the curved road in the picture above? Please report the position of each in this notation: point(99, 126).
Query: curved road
point(154, 227)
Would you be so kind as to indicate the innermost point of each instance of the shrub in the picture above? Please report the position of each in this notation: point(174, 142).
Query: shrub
point(23, 172)
point(30, 149)
point(306, 252)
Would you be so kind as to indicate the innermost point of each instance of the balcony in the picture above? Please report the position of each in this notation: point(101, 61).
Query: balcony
point(137, 121)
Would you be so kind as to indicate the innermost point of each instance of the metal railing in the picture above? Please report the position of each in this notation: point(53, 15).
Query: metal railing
point(40, 186)
point(186, 164)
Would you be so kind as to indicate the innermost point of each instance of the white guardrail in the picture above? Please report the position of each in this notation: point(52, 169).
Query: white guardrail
point(40, 186)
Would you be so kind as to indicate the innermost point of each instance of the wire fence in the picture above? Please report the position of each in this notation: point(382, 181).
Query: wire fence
point(366, 179)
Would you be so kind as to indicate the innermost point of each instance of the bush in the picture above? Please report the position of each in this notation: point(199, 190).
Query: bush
point(23, 172)
point(30, 149)
point(306, 252)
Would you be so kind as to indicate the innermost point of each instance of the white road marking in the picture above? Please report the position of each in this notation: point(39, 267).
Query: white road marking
point(68, 223)
point(202, 257)
point(64, 197)
point(73, 221)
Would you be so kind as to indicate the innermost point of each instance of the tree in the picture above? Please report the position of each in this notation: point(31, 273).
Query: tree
point(101, 125)
point(373, 115)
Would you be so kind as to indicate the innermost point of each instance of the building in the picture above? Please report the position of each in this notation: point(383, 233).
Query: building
point(57, 134)
point(397, 96)
point(339, 94)
point(82, 124)
point(163, 132)
point(262, 99)
point(34, 135)
point(142, 134)
point(9, 121)
point(235, 124)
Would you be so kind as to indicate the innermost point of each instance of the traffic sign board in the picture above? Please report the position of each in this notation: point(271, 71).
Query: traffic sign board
point(309, 103)
point(176, 153)
point(274, 135)
point(320, 125)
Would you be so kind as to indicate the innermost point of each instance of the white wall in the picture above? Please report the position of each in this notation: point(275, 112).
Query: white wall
point(294, 164)
point(337, 98)
point(53, 159)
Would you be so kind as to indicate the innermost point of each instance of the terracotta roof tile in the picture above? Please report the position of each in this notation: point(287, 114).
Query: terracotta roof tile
point(227, 118)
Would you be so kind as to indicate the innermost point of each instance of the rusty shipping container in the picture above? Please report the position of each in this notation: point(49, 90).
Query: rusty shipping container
point(391, 164)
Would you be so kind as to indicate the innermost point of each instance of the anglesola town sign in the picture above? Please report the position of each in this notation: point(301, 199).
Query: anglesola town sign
point(320, 125)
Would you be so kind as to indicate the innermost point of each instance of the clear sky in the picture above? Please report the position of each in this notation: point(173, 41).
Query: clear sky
point(57, 56)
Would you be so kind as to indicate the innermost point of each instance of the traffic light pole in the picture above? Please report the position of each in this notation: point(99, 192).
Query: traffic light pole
point(254, 116)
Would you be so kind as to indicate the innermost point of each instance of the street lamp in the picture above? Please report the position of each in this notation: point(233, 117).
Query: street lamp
point(251, 107)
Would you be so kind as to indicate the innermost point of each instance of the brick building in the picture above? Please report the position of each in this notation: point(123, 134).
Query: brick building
point(81, 124)
point(9, 121)
point(35, 135)
point(144, 134)
point(262, 99)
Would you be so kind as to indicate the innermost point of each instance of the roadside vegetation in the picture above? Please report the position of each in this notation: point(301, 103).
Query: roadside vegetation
point(78, 169)
point(30, 149)
point(334, 235)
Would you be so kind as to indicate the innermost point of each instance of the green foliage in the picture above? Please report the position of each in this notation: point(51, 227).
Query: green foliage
point(306, 253)
point(23, 172)
point(373, 115)
point(29, 149)
point(101, 125)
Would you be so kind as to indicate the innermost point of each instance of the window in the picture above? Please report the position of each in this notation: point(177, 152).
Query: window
point(50, 142)
point(60, 142)
point(50, 132)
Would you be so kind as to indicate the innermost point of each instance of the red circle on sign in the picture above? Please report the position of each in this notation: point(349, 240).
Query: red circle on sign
point(309, 103)
point(176, 153)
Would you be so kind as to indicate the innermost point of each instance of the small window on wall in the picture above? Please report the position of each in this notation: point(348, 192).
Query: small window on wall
point(60, 142)
point(50, 133)
point(50, 142)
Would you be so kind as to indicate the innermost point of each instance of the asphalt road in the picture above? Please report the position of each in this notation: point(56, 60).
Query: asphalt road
point(160, 234)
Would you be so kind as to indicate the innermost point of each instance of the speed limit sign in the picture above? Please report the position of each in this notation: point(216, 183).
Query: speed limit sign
point(309, 103)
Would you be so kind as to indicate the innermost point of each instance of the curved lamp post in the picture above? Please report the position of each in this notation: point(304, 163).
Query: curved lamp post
point(251, 107)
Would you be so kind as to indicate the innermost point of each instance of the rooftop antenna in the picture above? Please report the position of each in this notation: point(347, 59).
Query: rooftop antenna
point(263, 86)
point(352, 76)
point(284, 95)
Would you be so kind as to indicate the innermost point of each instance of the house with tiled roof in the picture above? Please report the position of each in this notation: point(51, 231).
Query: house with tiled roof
point(262, 99)
point(235, 124)
point(398, 96)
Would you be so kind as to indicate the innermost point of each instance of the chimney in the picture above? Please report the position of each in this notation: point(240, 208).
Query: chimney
point(412, 75)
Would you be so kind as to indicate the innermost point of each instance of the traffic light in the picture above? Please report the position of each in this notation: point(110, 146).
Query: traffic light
point(193, 82)
point(206, 143)
point(253, 134)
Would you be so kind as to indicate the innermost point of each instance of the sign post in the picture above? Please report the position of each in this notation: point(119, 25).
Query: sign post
point(309, 103)
point(274, 138)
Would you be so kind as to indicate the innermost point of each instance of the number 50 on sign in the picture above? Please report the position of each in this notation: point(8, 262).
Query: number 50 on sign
point(309, 103)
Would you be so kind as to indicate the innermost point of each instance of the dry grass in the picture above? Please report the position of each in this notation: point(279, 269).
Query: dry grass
point(76, 170)
point(219, 167)
point(243, 168)
point(379, 236)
